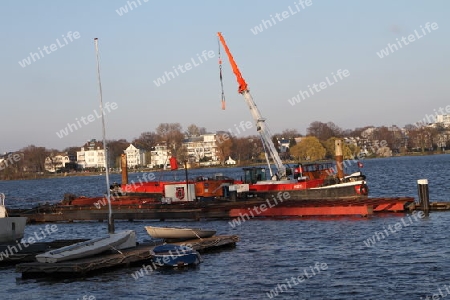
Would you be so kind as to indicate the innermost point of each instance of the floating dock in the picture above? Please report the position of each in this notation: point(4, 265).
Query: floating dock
point(125, 258)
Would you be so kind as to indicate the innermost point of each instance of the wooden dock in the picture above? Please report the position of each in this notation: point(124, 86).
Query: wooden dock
point(106, 261)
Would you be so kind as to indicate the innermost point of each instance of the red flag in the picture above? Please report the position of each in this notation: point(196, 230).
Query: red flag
point(173, 163)
point(360, 165)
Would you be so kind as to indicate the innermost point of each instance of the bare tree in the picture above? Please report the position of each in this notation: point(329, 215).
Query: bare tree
point(34, 158)
point(242, 149)
point(115, 150)
point(324, 131)
point(182, 154)
point(171, 134)
point(224, 145)
point(12, 167)
point(146, 140)
point(194, 130)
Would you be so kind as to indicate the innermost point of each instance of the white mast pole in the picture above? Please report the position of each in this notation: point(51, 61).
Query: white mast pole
point(108, 192)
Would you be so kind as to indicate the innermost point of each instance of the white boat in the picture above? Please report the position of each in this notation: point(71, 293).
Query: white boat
point(11, 228)
point(115, 241)
point(178, 233)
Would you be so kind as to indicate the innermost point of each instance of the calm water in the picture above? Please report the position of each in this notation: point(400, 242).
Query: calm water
point(411, 263)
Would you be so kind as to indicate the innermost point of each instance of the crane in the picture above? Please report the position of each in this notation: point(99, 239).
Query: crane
point(261, 126)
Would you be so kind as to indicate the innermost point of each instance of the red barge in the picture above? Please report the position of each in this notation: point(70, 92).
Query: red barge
point(312, 189)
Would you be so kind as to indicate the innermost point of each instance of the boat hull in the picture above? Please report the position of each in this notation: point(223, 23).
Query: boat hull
point(175, 256)
point(298, 191)
point(179, 234)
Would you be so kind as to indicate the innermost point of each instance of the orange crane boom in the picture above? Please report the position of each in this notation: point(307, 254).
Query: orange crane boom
point(261, 127)
point(240, 79)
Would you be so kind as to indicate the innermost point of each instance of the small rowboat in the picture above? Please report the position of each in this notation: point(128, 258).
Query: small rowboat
point(119, 240)
point(178, 233)
point(175, 256)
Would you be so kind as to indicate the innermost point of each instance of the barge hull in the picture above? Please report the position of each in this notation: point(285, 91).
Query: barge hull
point(198, 210)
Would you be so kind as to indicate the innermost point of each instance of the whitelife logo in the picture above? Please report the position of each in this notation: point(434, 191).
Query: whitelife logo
point(86, 120)
point(34, 56)
point(266, 24)
point(319, 87)
point(184, 68)
point(131, 5)
point(391, 48)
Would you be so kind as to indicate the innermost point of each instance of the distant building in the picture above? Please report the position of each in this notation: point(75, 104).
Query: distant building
point(443, 119)
point(160, 156)
point(201, 147)
point(91, 155)
point(284, 145)
point(135, 156)
point(368, 133)
point(230, 161)
point(56, 162)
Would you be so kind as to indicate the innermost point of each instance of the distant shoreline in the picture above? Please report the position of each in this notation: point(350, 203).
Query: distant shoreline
point(76, 174)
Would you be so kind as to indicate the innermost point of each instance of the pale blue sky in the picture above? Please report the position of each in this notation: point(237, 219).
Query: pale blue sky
point(139, 46)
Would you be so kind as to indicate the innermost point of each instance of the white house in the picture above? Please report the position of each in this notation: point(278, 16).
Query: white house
point(202, 146)
point(56, 162)
point(135, 156)
point(160, 156)
point(91, 155)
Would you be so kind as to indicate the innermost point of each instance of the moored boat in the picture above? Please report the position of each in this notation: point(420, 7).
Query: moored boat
point(175, 256)
point(305, 181)
point(114, 241)
point(178, 233)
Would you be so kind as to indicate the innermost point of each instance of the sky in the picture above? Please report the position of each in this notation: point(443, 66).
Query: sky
point(299, 47)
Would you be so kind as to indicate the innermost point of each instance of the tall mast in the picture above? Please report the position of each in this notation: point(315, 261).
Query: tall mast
point(108, 191)
point(261, 127)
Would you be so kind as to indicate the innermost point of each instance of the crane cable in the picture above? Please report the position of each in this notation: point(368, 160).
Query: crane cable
point(221, 80)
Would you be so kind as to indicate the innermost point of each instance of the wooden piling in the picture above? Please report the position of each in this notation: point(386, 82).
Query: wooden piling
point(339, 158)
point(124, 166)
point(424, 196)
